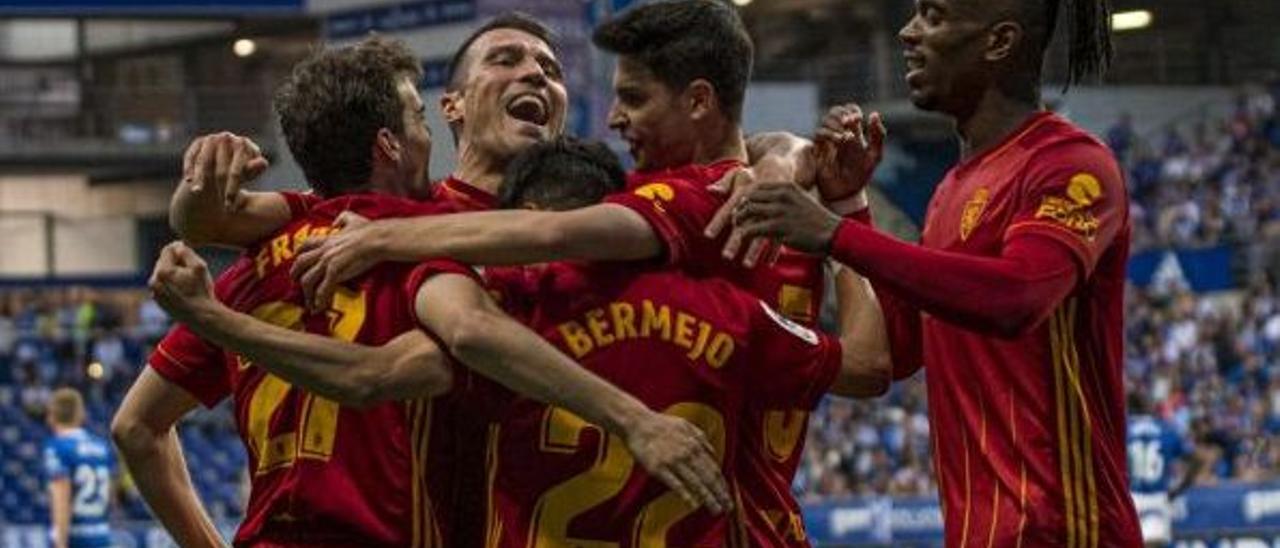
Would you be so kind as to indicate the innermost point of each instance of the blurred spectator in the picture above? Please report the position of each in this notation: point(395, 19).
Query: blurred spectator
point(1120, 135)
point(1217, 183)
point(59, 336)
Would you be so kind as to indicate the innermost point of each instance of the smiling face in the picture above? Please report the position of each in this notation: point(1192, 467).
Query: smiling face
point(650, 117)
point(512, 94)
point(944, 45)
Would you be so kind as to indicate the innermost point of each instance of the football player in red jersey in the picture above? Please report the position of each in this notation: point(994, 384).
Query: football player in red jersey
point(1014, 298)
point(303, 447)
point(593, 311)
point(505, 91)
point(680, 82)
point(694, 336)
point(505, 84)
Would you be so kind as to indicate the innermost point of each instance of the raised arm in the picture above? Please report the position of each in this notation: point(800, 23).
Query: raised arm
point(866, 368)
point(1003, 295)
point(838, 163)
point(409, 366)
point(482, 336)
point(210, 208)
point(143, 431)
point(603, 232)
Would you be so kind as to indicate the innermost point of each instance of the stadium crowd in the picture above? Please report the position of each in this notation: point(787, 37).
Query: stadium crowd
point(1214, 181)
point(95, 340)
point(1210, 363)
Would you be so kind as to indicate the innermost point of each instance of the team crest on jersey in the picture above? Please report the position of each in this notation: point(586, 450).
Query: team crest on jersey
point(973, 212)
point(658, 193)
point(805, 334)
point(1072, 211)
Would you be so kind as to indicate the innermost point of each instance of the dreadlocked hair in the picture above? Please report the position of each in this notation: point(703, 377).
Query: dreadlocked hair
point(1089, 50)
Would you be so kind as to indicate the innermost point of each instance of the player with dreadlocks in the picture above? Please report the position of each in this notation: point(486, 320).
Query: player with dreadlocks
point(1013, 300)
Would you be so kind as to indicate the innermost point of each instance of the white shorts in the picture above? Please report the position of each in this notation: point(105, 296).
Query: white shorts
point(1155, 513)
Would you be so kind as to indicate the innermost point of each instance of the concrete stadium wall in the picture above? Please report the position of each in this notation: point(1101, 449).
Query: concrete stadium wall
point(91, 230)
point(1153, 107)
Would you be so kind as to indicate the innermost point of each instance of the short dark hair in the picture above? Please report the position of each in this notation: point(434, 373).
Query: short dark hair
point(684, 40)
point(333, 104)
point(561, 173)
point(515, 20)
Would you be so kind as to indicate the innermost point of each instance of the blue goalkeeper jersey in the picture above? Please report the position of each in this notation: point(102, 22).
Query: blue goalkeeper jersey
point(88, 461)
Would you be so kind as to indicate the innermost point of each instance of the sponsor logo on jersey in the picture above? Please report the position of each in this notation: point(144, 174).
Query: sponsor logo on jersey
point(1072, 211)
point(658, 193)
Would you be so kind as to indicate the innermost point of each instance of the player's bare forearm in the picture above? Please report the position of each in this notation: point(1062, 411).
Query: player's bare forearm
point(503, 353)
point(479, 334)
point(160, 474)
point(357, 375)
point(597, 233)
point(202, 218)
point(60, 511)
point(143, 432)
point(601, 232)
point(485, 339)
point(866, 368)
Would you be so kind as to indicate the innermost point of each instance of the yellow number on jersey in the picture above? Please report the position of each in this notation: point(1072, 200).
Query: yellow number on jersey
point(663, 513)
point(559, 505)
point(314, 435)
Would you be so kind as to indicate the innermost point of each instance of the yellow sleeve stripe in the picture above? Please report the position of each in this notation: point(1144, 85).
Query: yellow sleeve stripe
point(493, 526)
point(1075, 440)
point(426, 529)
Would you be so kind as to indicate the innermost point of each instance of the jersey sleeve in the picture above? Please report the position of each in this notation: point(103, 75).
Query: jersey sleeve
point(194, 364)
point(54, 465)
point(678, 211)
point(1073, 193)
point(789, 364)
point(300, 202)
point(425, 270)
point(902, 321)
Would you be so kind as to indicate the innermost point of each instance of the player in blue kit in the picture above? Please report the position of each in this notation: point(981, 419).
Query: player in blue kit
point(1153, 446)
point(80, 467)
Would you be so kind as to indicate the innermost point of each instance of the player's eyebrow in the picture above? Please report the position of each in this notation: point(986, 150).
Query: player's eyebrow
point(935, 4)
point(550, 60)
point(503, 49)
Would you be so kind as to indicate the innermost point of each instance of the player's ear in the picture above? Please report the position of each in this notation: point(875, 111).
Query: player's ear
point(1002, 39)
point(386, 146)
point(700, 99)
point(451, 106)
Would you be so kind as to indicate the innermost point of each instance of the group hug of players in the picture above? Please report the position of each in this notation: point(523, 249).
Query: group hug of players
point(543, 350)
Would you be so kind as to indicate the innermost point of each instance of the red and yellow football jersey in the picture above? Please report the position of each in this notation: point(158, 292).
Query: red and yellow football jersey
point(323, 474)
point(461, 197)
point(678, 207)
point(1029, 432)
point(696, 349)
point(469, 436)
